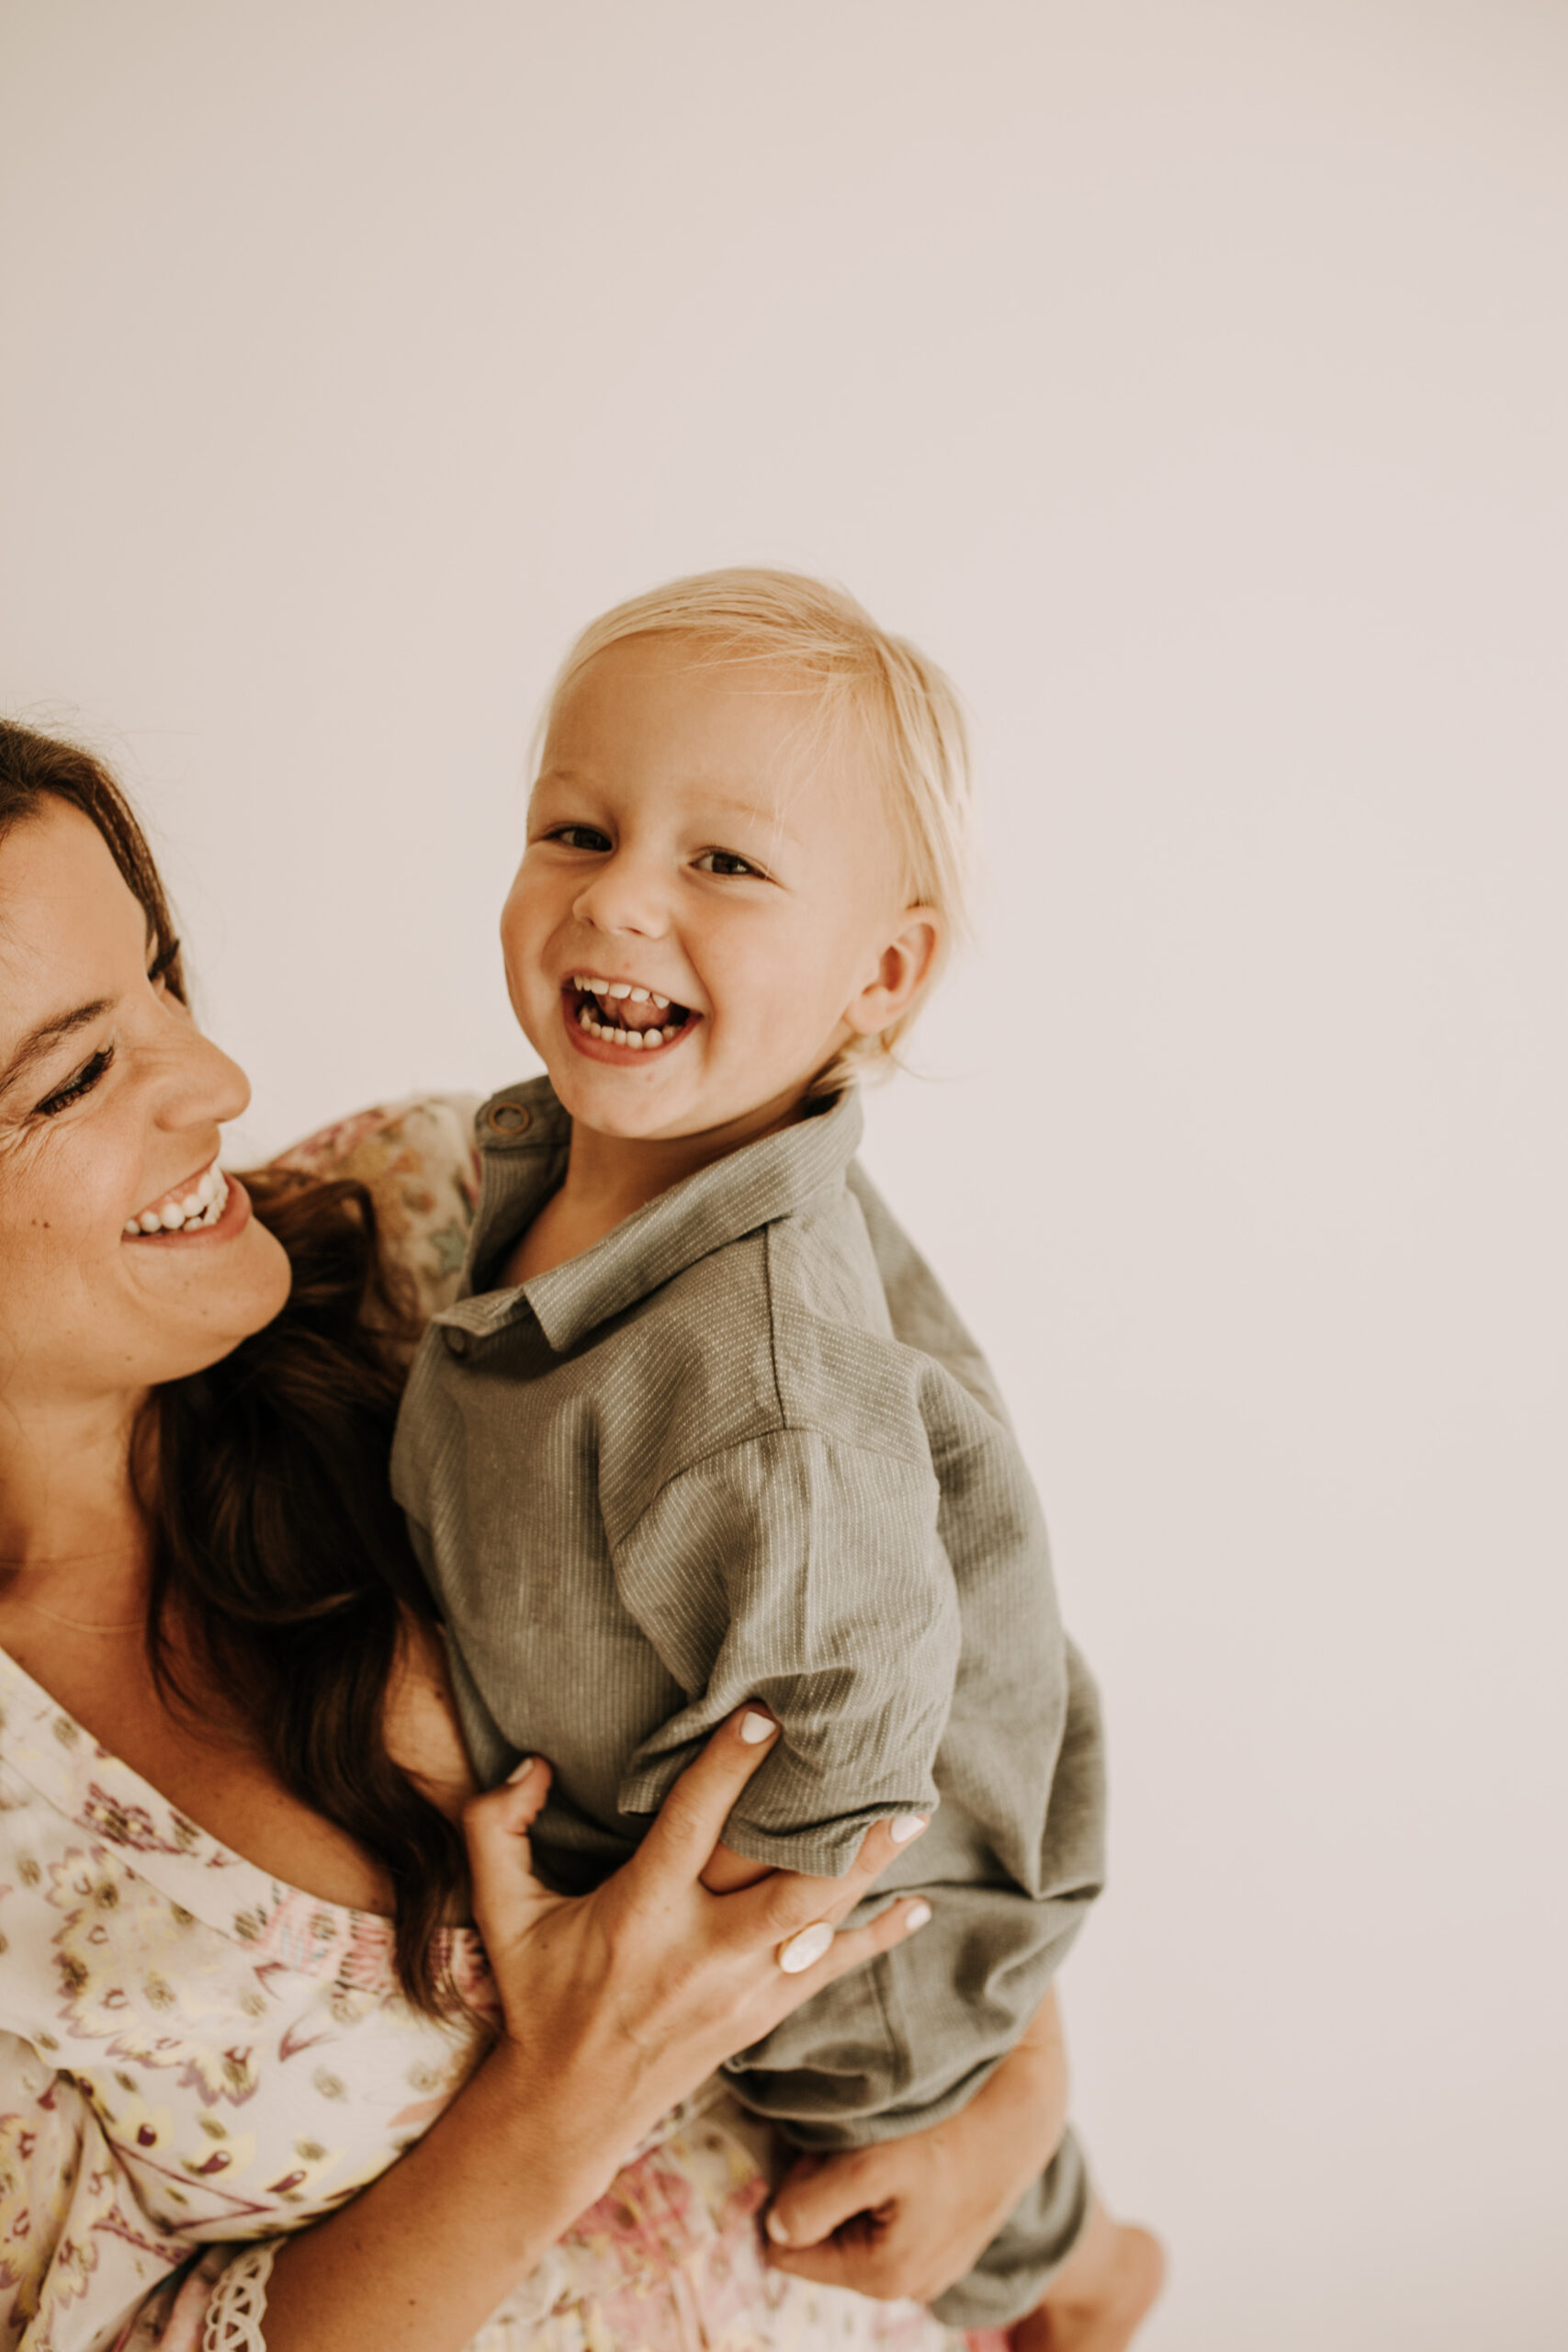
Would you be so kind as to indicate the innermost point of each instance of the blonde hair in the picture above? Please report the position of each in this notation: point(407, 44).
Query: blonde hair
point(910, 716)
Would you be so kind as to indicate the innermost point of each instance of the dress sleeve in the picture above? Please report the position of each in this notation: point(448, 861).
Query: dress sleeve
point(420, 1162)
point(806, 1571)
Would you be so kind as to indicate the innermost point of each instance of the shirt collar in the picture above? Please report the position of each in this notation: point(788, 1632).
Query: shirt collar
point(523, 1135)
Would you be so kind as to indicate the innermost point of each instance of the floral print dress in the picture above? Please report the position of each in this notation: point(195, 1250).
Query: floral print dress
point(195, 2057)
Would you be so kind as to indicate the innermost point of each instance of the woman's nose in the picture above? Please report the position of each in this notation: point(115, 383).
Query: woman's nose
point(202, 1086)
point(622, 894)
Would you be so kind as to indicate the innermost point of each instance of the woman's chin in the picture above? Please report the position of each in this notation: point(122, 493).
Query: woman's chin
point(210, 1294)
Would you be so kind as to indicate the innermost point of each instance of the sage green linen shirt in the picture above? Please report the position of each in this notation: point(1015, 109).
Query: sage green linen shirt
point(743, 1447)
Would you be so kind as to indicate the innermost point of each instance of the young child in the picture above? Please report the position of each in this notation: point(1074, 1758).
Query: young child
point(669, 1449)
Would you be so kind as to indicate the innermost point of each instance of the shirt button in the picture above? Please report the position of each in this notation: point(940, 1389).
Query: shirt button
point(456, 1340)
point(510, 1118)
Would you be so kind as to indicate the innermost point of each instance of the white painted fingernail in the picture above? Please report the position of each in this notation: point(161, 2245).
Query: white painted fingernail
point(756, 1729)
point(522, 1769)
point(904, 1826)
point(916, 1915)
point(776, 2230)
point(806, 1950)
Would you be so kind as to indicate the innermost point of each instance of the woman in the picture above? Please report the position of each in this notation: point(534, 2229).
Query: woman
point(234, 1985)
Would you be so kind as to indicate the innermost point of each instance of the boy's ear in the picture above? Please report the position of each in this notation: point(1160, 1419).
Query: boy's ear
point(905, 965)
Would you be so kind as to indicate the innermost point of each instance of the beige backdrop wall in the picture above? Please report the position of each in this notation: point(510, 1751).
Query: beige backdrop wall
point(1192, 380)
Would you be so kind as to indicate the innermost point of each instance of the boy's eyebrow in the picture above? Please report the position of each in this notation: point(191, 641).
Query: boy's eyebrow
point(38, 1042)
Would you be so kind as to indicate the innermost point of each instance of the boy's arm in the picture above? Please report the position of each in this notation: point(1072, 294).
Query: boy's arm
point(809, 1574)
point(919, 1310)
point(806, 1571)
point(909, 2040)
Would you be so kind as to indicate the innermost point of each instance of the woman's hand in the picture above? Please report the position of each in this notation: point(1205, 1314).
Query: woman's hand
point(636, 1993)
point(909, 2216)
point(617, 2005)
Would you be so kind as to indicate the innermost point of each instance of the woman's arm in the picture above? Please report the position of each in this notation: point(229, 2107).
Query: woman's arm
point(910, 2216)
point(616, 2006)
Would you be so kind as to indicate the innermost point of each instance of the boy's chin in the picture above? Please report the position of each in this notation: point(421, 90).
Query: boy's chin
point(610, 1102)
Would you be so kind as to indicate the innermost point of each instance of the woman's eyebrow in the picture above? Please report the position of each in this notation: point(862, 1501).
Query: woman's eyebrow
point(38, 1042)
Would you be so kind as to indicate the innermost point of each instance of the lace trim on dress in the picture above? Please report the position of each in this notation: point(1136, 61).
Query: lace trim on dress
point(234, 2315)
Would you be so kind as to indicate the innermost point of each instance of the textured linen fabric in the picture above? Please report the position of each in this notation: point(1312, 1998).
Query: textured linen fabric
point(701, 1462)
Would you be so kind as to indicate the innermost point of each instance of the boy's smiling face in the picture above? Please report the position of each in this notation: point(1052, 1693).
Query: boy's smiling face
point(696, 835)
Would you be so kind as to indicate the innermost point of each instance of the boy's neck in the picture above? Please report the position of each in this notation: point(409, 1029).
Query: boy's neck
point(609, 1177)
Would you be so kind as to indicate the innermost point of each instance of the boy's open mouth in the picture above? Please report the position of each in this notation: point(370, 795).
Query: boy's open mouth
point(623, 1013)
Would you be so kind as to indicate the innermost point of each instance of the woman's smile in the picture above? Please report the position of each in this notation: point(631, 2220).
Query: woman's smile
point(210, 1206)
point(119, 1231)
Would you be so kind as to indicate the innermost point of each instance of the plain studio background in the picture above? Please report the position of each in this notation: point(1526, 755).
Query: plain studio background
point(1191, 381)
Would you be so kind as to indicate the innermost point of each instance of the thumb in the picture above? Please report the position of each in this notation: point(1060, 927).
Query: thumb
point(501, 1860)
point(816, 2195)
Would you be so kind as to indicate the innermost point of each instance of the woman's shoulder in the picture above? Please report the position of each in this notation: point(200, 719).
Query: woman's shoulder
point(420, 1162)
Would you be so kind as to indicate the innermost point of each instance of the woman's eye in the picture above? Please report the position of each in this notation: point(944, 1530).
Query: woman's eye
point(723, 861)
point(86, 1078)
point(581, 837)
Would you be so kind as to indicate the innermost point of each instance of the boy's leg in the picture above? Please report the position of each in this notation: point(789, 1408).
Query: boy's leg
point(1098, 2298)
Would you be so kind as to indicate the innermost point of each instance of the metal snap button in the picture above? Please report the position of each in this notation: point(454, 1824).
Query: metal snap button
point(456, 1340)
point(510, 1118)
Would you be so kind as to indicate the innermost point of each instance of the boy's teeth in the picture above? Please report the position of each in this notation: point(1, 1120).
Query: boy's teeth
point(637, 1040)
point(586, 985)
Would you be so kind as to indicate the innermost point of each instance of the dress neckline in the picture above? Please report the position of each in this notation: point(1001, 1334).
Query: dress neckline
point(111, 1803)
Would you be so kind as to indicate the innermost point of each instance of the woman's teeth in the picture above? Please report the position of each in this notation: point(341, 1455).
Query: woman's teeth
point(202, 1205)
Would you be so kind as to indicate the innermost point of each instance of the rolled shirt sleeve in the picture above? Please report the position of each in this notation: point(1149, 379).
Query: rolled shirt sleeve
point(807, 1572)
point(909, 2037)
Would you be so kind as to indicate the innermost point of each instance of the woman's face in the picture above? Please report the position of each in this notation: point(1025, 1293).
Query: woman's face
point(110, 1104)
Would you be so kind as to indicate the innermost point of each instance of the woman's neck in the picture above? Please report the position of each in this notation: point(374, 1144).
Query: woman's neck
point(69, 1520)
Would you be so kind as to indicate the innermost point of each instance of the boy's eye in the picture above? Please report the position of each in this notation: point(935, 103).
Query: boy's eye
point(723, 861)
point(581, 837)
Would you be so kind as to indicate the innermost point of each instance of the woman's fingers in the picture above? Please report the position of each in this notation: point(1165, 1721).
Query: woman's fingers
point(690, 1822)
point(863, 2253)
point(780, 1907)
point(818, 2193)
point(852, 1947)
point(501, 1864)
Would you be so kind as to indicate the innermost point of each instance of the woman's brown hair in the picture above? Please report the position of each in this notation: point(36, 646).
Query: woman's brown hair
point(278, 1553)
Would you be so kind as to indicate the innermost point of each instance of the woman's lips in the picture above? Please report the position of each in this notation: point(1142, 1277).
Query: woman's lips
point(233, 1217)
point(197, 1195)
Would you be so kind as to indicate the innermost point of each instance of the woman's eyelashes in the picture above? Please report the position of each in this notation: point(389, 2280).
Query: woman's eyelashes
point(84, 1082)
point(98, 1065)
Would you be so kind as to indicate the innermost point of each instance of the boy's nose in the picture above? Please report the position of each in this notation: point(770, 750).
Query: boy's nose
point(622, 895)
